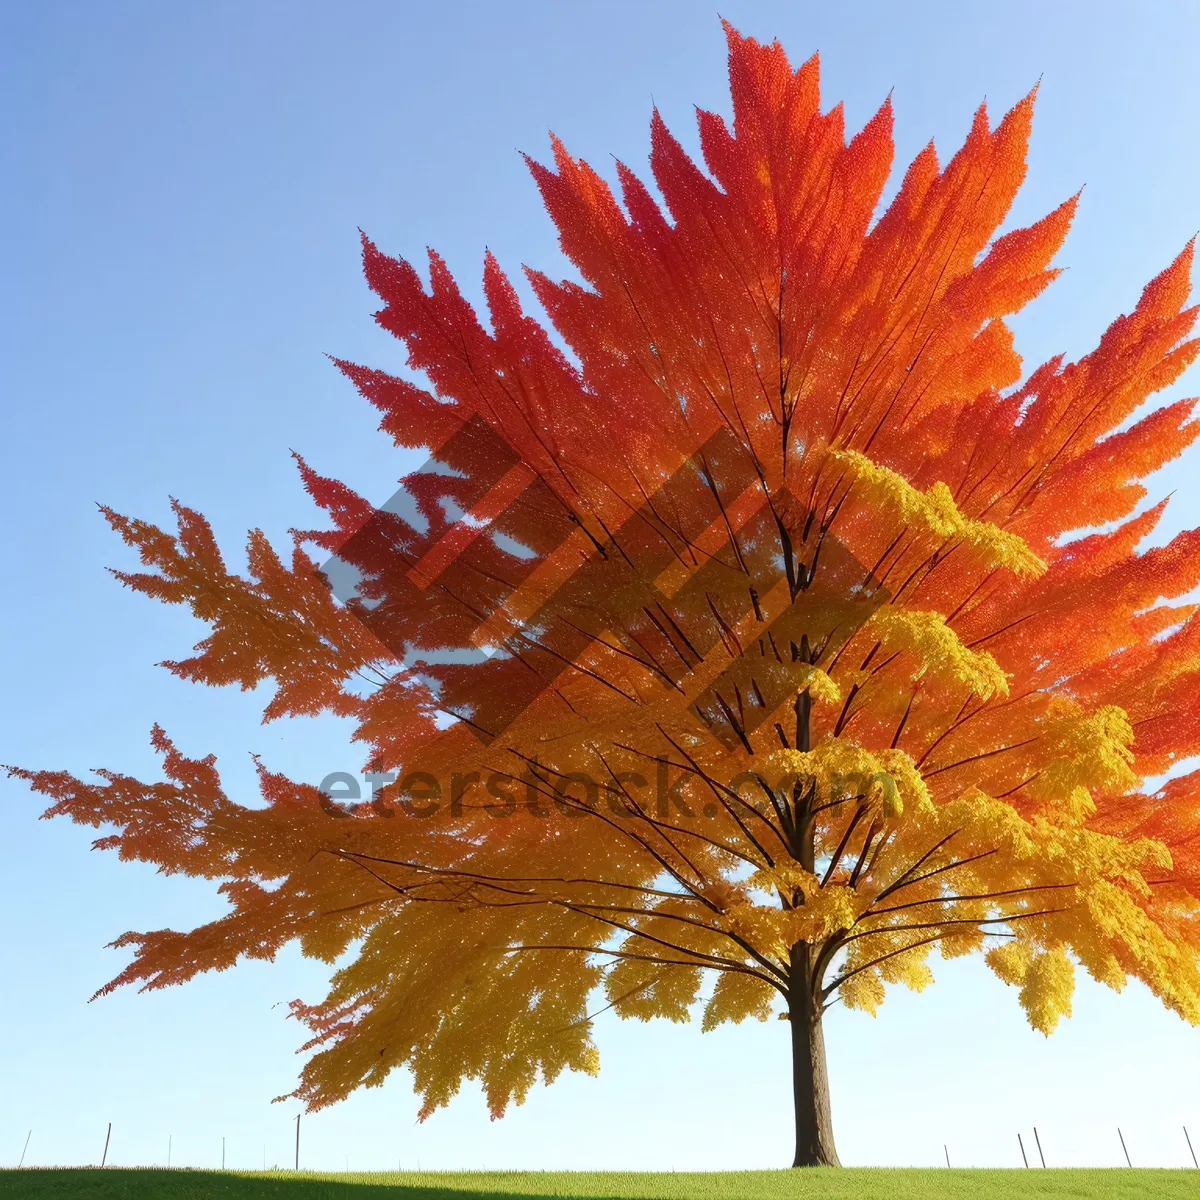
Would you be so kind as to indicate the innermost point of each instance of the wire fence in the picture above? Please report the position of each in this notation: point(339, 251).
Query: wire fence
point(1187, 1155)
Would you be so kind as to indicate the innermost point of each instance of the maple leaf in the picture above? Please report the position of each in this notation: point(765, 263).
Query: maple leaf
point(764, 633)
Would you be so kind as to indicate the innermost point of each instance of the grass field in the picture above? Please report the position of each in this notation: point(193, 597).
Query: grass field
point(862, 1183)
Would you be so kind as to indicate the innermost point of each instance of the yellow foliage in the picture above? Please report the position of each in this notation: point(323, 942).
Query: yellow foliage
point(938, 649)
point(1093, 751)
point(813, 680)
point(1047, 988)
point(1046, 980)
point(886, 779)
point(865, 991)
point(646, 990)
point(1010, 961)
point(934, 512)
point(737, 995)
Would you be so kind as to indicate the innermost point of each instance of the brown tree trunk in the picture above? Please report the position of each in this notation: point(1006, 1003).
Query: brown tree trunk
point(810, 1076)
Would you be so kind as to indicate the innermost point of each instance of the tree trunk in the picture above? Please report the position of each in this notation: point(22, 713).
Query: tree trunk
point(810, 1076)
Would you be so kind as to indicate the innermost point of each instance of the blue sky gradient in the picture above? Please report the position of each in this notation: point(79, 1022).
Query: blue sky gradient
point(185, 184)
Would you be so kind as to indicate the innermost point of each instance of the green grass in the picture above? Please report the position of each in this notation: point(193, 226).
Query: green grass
point(861, 1183)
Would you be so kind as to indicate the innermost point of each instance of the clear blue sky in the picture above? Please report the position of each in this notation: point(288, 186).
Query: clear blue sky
point(184, 185)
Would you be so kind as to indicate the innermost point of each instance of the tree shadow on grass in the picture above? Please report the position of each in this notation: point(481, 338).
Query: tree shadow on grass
point(75, 1183)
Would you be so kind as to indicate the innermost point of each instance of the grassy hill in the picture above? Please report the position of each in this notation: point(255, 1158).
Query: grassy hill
point(862, 1183)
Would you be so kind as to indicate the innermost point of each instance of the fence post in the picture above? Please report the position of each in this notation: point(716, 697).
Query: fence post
point(1022, 1145)
point(1190, 1150)
point(1122, 1137)
point(30, 1134)
point(1039, 1146)
point(104, 1159)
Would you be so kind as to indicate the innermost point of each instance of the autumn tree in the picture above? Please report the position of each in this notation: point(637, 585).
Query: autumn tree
point(757, 621)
